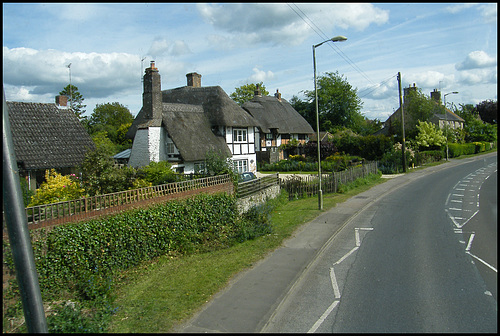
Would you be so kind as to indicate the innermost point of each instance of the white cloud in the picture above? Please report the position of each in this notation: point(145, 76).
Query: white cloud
point(454, 9)
point(281, 24)
point(489, 12)
point(478, 76)
point(46, 71)
point(260, 75)
point(475, 60)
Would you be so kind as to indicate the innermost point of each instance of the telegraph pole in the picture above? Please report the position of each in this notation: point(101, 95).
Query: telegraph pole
point(403, 149)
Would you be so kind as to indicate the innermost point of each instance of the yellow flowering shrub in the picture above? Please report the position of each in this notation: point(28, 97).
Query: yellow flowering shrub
point(57, 188)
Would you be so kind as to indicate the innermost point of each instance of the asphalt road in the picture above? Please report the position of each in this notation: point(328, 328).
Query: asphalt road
point(407, 262)
point(396, 258)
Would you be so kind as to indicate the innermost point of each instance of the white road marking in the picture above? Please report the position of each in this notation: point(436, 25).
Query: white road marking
point(469, 245)
point(335, 285)
point(481, 260)
point(333, 278)
point(323, 317)
point(345, 256)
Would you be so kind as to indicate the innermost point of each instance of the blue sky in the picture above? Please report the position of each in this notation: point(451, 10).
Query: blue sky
point(450, 47)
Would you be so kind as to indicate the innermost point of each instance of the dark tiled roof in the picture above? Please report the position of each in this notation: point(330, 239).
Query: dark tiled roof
point(46, 136)
point(273, 113)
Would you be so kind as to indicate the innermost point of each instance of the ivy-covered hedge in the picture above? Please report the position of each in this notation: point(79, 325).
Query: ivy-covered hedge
point(83, 257)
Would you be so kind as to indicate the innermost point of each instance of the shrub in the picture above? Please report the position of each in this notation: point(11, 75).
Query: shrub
point(456, 150)
point(57, 188)
point(157, 173)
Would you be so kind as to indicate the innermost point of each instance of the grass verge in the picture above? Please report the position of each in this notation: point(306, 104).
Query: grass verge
point(164, 293)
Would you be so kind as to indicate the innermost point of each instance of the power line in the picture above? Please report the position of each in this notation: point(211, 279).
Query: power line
point(334, 47)
point(338, 50)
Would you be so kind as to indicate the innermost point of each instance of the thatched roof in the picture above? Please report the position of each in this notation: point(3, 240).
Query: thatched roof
point(274, 113)
point(46, 136)
point(221, 109)
point(189, 128)
point(215, 103)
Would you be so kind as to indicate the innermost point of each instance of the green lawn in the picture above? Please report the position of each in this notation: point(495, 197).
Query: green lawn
point(159, 295)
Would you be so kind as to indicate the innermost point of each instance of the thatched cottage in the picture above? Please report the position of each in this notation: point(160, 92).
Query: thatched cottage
point(279, 124)
point(182, 125)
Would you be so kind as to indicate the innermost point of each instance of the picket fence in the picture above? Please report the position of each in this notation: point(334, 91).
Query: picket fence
point(302, 186)
point(80, 207)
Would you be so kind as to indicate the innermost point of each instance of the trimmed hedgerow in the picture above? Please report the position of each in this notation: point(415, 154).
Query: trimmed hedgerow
point(82, 257)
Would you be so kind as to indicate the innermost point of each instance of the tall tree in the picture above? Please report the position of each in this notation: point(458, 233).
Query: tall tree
point(246, 92)
point(338, 103)
point(75, 99)
point(306, 110)
point(488, 111)
point(111, 118)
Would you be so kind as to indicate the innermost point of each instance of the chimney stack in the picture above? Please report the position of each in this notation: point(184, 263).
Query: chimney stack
point(278, 95)
point(193, 79)
point(436, 96)
point(62, 101)
point(152, 96)
point(257, 91)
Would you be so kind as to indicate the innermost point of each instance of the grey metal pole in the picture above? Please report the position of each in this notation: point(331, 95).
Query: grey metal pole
point(320, 191)
point(403, 149)
point(19, 237)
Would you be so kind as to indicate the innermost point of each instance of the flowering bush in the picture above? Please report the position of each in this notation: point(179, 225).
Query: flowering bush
point(392, 161)
point(57, 188)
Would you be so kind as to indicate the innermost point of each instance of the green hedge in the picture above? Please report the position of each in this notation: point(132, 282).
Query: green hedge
point(456, 150)
point(82, 257)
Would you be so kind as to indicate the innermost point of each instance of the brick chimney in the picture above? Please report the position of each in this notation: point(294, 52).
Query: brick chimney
point(406, 93)
point(193, 79)
point(62, 101)
point(278, 95)
point(436, 96)
point(151, 97)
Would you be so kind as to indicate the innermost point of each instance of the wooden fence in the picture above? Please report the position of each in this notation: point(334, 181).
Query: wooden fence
point(302, 186)
point(76, 208)
point(250, 187)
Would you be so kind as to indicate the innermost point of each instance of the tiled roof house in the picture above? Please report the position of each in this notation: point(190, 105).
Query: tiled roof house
point(182, 125)
point(438, 119)
point(47, 136)
point(279, 123)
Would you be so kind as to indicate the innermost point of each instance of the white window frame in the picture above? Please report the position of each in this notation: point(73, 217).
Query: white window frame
point(170, 148)
point(240, 166)
point(240, 135)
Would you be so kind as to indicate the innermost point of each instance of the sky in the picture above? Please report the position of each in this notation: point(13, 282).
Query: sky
point(450, 47)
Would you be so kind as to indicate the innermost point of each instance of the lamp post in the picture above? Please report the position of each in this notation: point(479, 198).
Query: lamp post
point(334, 39)
point(446, 120)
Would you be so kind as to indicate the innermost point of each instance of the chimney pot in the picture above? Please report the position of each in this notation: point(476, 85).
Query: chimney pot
point(193, 79)
point(257, 91)
point(278, 95)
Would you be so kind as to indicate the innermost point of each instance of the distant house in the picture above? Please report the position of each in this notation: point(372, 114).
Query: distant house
point(279, 124)
point(438, 119)
point(47, 136)
point(182, 125)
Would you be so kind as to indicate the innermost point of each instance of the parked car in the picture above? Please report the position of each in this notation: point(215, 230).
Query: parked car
point(246, 176)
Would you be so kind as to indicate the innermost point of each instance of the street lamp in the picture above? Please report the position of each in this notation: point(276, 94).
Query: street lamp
point(446, 120)
point(334, 39)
